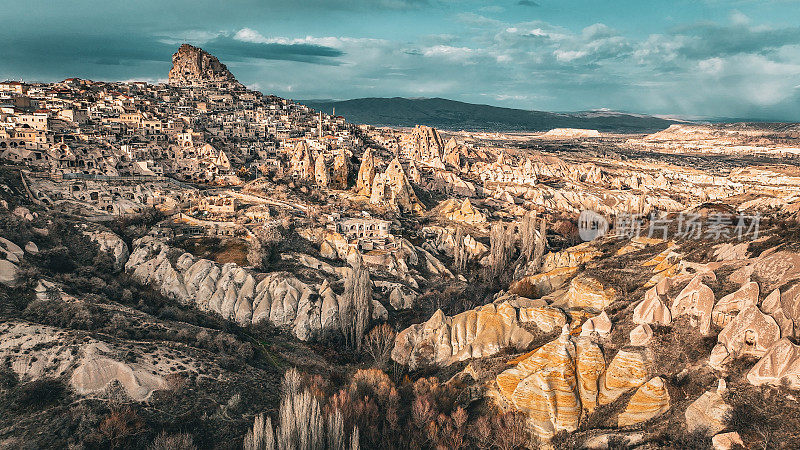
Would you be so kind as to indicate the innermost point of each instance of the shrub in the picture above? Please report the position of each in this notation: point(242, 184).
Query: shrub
point(39, 393)
point(179, 441)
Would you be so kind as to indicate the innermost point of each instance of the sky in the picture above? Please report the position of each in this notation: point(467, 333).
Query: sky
point(686, 58)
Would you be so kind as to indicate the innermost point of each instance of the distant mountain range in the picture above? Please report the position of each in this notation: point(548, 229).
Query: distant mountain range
point(454, 115)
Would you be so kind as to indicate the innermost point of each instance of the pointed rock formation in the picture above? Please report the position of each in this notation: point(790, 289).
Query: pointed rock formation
point(696, 300)
point(302, 161)
point(366, 173)
point(773, 306)
point(649, 401)
point(321, 175)
point(442, 340)
point(392, 188)
point(427, 142)
point(194, 66)
point(779, 365)
point(729, 306)
point(628, 370)
point(551, 385)
point(652, 309)
point(341, 170)
point(751, 333)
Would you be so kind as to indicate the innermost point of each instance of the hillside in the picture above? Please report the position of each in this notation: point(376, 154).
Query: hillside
point(454, 115)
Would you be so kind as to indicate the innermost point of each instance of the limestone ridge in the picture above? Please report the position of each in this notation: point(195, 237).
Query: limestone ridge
point(194, 66)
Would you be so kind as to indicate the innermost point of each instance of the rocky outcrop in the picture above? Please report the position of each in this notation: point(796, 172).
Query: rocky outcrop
point(652, 310)
point(192, 65)
point(232, 291)
point(588, 292)
point(366, 173)
point(341, 170)
point(628, 370)
point(113, 244)
point(302, 162)
point(483, 331)
point(427, 143)
point(649, 401)
point(777, 269)
point(321, 174)
point(774, 305)
point(570, 257)
point(443, 240)
point(10, 256)
point(91, 366)
point(729, 306)
point(751, 333)
point(462, 211)
point(780, 364)
point(697, 301)
point(709, 413)
point(554, 385)
point(393, 189)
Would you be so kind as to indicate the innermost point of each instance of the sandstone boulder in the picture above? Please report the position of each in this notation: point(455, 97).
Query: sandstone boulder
point(751, 333)
point(652, 309)
point(9, 273)
point(31, 248)
point(628, 370)
point(553, 384)
point(727, 441)
point(697, 301)
point(443, 340)
point(546, 318)
point(729, 306)
point(641, 335)
point(649, 401)
point(588, 292)
point(600, 324)
point(779, 365)
point(708, 414)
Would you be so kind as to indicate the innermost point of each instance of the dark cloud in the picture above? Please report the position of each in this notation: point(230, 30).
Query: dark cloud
point(528, 3)
point(127, 56)
point(708, 40)
point(227, 48)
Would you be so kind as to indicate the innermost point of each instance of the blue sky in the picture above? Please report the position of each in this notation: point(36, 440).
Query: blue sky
point(701, 58)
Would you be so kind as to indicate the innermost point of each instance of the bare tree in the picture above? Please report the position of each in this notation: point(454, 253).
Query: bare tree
point(261, 436)
point(354, 440)
point(500, 247)
point(336, 436)
point(301, 426)
point(541, 244)
point(527, 232)
point(379, 343)
point(460, 254)
point(356, 311)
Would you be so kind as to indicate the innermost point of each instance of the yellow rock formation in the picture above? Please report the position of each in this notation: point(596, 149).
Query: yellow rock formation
point(650, 400)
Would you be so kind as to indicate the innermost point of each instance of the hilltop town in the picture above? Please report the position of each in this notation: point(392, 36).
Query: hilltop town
point(196, 264)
